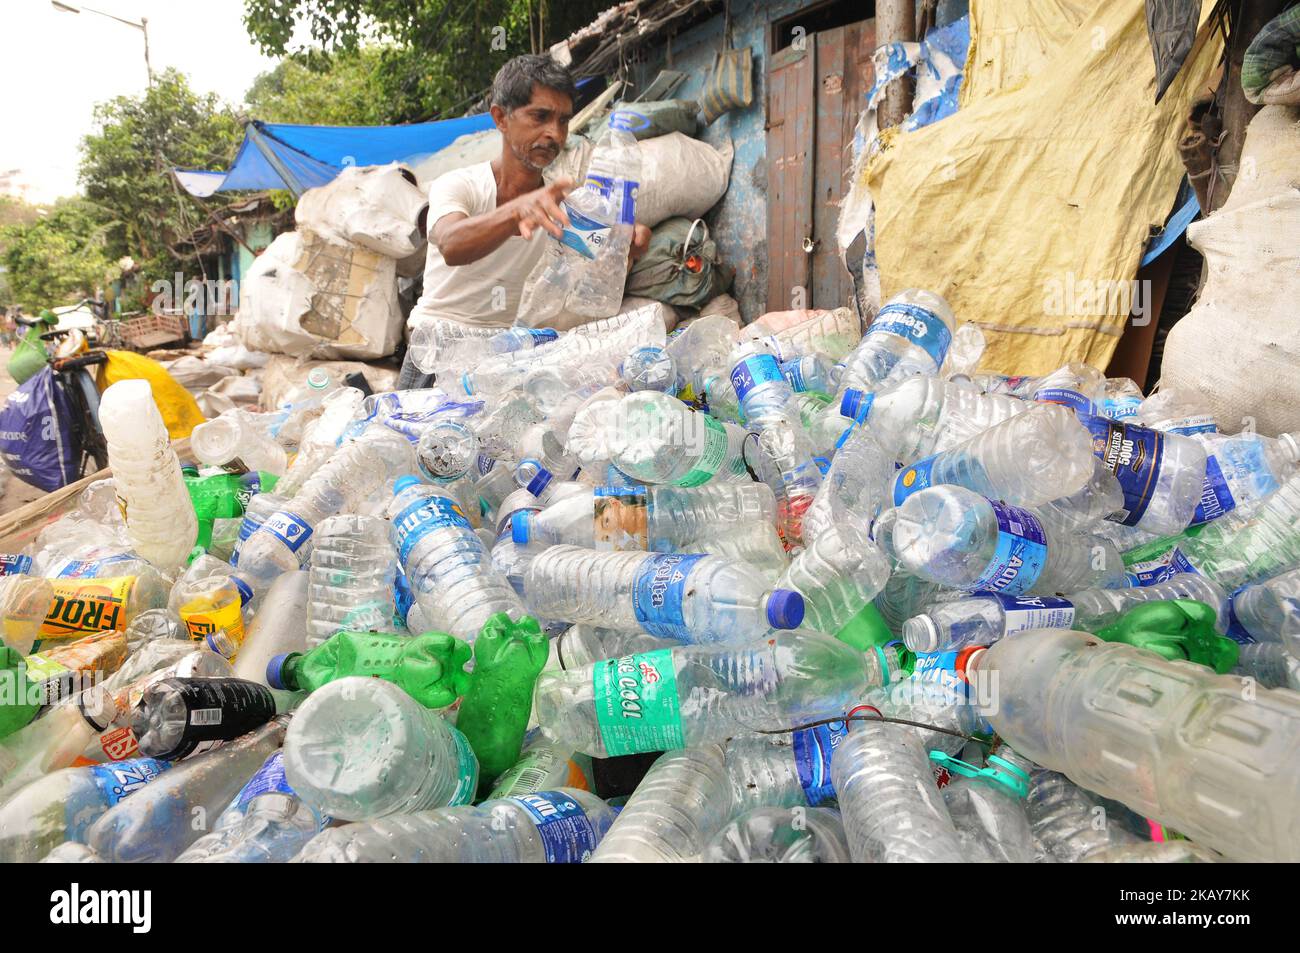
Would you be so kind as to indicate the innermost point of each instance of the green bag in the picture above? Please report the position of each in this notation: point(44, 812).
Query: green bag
point(660, 117)
point(681, 267)
point(731, 85)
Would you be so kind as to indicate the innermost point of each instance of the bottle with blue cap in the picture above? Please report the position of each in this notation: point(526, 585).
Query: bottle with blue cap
point(446, 564)
point(694, 694)
point(909, 335)
point(694, 598)
point(519, 338)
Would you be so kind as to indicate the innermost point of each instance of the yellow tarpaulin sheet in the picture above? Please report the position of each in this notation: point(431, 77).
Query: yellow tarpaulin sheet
point(179, 410)
point(1030, 207)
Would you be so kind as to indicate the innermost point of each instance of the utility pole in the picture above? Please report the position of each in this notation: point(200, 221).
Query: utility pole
point(142, 26)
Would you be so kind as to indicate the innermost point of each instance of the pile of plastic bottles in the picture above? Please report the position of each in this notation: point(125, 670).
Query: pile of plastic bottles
point(855, 601)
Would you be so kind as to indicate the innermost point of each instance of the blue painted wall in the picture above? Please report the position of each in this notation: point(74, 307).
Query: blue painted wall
point(739, 222)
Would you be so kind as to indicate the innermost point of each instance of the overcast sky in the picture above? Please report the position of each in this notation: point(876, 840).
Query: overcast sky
point(55, 66)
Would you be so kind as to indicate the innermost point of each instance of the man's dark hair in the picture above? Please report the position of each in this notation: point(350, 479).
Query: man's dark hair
point(514, 82)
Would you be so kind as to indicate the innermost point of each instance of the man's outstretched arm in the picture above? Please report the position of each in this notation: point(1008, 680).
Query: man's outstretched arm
point(462, 239)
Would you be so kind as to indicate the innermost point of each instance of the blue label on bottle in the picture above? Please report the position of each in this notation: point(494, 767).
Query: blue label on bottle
point(269, 779)
point(250, 484)
point(289, 528)
point(14, 564)
point(584, 235)
point(1020, 555)
point(1151, 571)
point(542, 335)
point(1236, 631)
point(89, 568)
point(1121, 408)
point(568, 836)
point(921, 326)
point(793, 373)
point(245, 592)
point(485, 464)
point(1032, 612)
point(424, 516)
point(403, 597)
point(813, 748)
point(753, 372)
point(1062, 395)
point(912, 479)
point(1133, 454)
point(115, 780)
point(657, 595)
point(1191, 426)
point(1235, 473)
point(1216, 498)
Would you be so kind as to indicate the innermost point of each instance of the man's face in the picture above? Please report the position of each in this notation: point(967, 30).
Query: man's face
point(535, 133)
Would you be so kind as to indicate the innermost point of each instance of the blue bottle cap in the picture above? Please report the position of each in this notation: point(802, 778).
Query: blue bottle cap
point(521, 526)
point(537, 485)
point(856, 405)
point(785, 609)
point(405, 483)
point(275, 670)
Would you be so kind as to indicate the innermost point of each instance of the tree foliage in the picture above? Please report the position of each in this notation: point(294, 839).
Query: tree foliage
point(57, 257)
point(125, 167)
point(329, 90)
point(434, 58)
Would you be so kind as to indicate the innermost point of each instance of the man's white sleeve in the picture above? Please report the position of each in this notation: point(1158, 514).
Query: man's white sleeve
point(450, 192)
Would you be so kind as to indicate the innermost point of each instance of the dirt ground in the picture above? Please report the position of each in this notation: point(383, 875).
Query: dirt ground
point(13, 492)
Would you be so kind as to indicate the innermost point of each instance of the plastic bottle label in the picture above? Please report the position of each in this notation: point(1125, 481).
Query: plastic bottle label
point(1190, 426)
point(542, 335)
point(753, 372)
point(637, 708)
point(568, 836)
point(711, 457)
point(1063, 395)
point(86, 568)
point(1151, 571)
point(584, 235)
point(657, 595)
point(813, 748)
point(466, 770)
point(14, 564)
point(217, 710)
point(124, 778)
point(1238, 462)
point(1020, 555)
point(622, 518)
point(202, 619)
point(1133, 454)
point(403, 597)
point(1120, 408)
point(627, 199)
point(85, 606)
point(793, 373)
point(1033, 612)
point(268, 780)
point(1236, 631)
point(913, 479)
point(425, 516)
point(920, 326)
point(288, 528)
point(1216, 498)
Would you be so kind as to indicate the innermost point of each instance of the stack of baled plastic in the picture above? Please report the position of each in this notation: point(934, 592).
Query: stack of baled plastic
point(857, 601)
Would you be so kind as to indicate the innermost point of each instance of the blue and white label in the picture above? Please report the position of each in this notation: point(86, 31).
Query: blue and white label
point(1151, 571)
point(1063, 395)
point(913, 479)
point(1236, 631)
point(568, 836)
point(754, 372)
point(792, 371)
point(1020, 555)
point(403, 597)
point(268, 780)
point(1121, 408)
point(1191, 426)
point(584, 235)
point(1236, 472)
point(920, 326)
point(1033, 612)
point(813, 748)
point(114, 781)
point(658, 592)
point(14, 564)
point(88, 568)
point(626, 200)
point(427, 515)
point(1134, 455)
point(288, 528)
point(1216, 498)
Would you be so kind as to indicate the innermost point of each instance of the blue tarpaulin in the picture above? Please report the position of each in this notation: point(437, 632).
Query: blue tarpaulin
point(297, 158)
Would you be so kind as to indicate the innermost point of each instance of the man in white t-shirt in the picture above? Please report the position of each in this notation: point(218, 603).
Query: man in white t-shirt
point(486, 221)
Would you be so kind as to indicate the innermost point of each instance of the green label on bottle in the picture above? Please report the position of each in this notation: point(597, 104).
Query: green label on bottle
point(637, 708)
point(713, 455)
point(466, 771)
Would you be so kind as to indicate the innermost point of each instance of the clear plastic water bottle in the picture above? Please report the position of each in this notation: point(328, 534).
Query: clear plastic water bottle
point(959, 539)
point(265, 823)
point(764, 393)
point(151, 491)
point(983, 618)
point(658, 518)
point(691, 598)
point(562, 826)
point(231, 437)
point(449, 570)
point(684, 799)
point(1242, 471)
point(784, 460)
point(988, 811)
point(812, 372)
point(892, 809)
point(61, 805)
point(1086, 509)
point(256, 512)
point(1179, 411)
point(1081, 387)
point(1122, 399)
point(1269, 611)
point(156, 824)
point(1027, 460)
point(55, 739)
point(519, 338)
point(854, 489)
point(353, 566)
point(355, 471)
point(321, 437)
point(361, 748)
point(836, 575)
point(178, 717)
point(1236, 552)
point(832, 333)
point(787, 770)
point(1081, 706)
point(1161, 474)
point(664, 441)
point(776, 835)
point(441, 347)
point(1270, 664)
point(1069, 823)
point(649, 368)
point(304, 404)
point(688, 696)
point(447, 451)
point(910, 335)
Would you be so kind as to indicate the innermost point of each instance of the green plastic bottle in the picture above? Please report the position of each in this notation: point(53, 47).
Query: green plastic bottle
point(430, 667)
point(1176, 629)
point(20, 697)
point(508, 657)
point(868, 630)
point(224, 495)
